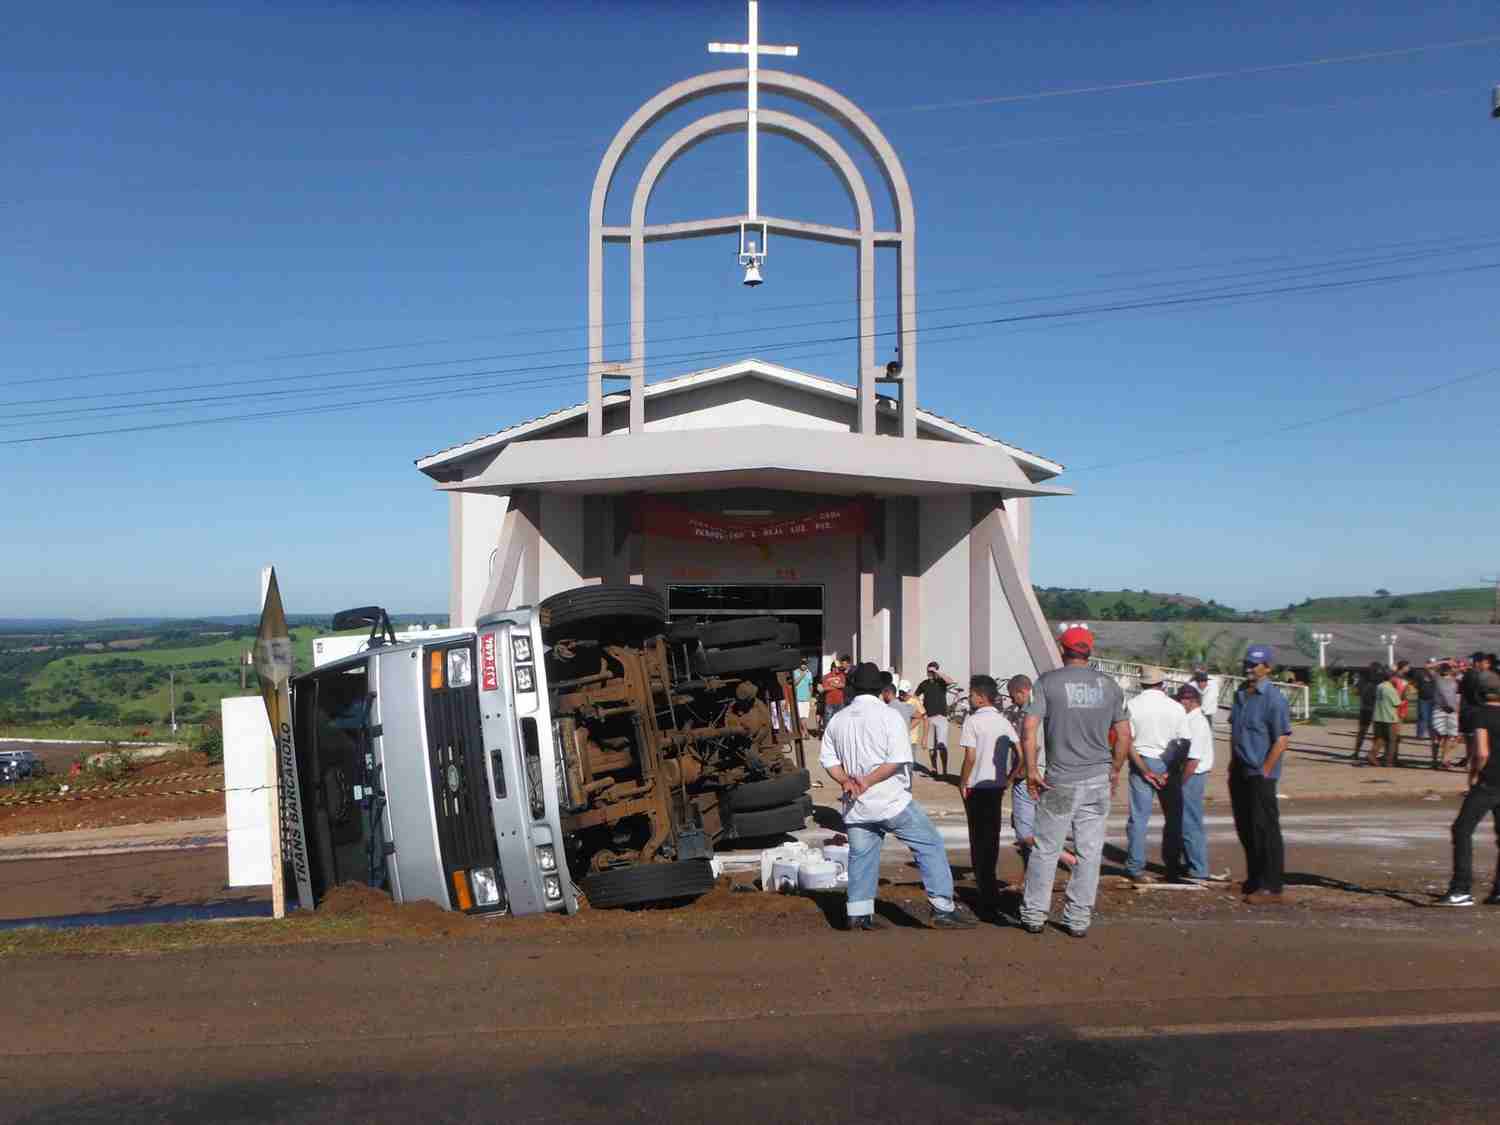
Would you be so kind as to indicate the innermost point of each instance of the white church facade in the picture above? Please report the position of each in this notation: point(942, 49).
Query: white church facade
point(883, 530)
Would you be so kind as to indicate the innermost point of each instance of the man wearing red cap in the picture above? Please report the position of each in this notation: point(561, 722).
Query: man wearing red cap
point(1075, 706)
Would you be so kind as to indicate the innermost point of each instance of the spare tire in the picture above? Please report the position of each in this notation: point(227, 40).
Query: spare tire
point(750, 825)
point(755, 795)
point(682, 632)
point(631, 611)
point(751, 658)
point(648, 882)
point(741, 631)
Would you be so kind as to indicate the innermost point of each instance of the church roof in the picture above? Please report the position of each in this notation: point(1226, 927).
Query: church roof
point(1036, 466)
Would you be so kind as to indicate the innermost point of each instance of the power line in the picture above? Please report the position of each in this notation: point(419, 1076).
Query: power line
point(1422, 248)
point(991, 322)
point(27, 417)
point(1201, 76)
point(1305, 423)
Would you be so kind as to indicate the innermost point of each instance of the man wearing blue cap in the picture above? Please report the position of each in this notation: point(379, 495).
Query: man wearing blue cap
point(1260, 725)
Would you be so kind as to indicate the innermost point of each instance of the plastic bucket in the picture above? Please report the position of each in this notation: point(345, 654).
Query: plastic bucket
point(818, 875)
point(784, 875)
point(838, 854)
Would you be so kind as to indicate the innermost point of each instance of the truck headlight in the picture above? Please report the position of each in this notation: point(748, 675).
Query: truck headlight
point(546, 858)
point(552, 887)
point(486, 886)
point(520, 648)
point(460, 667)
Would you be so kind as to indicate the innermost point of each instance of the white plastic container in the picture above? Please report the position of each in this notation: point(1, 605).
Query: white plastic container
point(839, 854)
point(785, 875)
point(818, 875)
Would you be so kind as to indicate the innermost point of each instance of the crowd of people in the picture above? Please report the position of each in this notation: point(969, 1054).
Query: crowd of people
point(1060, 747)
point(1446, 695)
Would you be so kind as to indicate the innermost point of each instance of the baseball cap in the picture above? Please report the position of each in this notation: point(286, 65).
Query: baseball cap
point(1260, 654)
point(904, 687)
point(1487, 685)
point(1077, 639)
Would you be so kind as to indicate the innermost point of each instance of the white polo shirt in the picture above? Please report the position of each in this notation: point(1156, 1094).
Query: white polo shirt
point(992, 738)
point(1200, 740)
point(1210, 691)
point(1155, 720)
point(862, 737)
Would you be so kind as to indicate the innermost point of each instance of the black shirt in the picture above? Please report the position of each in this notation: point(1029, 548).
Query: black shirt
point(1487, 718)
point(1426, 689)
point(1468, 700)
point(934, 693)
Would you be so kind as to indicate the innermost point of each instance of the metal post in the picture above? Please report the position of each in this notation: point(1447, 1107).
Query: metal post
point(1389, 640)
point(1323, 639)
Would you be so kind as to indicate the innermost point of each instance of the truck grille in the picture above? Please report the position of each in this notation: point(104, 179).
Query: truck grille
point(465, 827)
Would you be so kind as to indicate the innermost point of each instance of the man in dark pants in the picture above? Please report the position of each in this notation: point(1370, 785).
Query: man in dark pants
point(987, 740)
point(1260, 725)
point(1369, 684)
point(1484, 794)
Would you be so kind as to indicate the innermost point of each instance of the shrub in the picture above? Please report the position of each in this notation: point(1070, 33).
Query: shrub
point(210, 740)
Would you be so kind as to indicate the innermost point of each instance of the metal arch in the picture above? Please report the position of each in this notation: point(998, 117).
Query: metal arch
point(833, 154)
point(849, 115)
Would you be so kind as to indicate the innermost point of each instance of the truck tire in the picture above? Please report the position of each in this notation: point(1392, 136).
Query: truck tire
point(648, 882)
point(618, 609)
point(770, 657)
point(747, 630)
point(682, 632)
point(769, 822)
point(755, 795)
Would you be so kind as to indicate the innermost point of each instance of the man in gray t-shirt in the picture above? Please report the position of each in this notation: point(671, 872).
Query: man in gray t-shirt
point(1075, 707)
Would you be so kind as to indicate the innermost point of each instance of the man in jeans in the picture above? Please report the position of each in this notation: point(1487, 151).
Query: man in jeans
point(1074, 707)
point(867, 751)
point(1484, 794)
point(1156, 722)
point(1260, 726)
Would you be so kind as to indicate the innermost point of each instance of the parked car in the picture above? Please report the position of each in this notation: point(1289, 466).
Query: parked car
point(20, 765)
point(580, 747)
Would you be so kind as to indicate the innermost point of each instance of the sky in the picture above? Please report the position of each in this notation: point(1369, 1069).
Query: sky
point(369, 221)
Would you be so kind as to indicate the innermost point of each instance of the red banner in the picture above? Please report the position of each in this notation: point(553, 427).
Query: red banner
point(657, 518)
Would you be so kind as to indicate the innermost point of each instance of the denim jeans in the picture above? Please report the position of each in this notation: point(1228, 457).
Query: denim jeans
point(1184, 843)
point(913, 829)
point(1022, 811)
point(1143, 795)
point(1084, 808)
point(1424, 717)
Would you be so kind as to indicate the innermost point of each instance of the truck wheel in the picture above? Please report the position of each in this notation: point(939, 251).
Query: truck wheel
point(746, 630)
point(615, 610)
point(752, 658)
point(768, 794)
point(648, 882)
point(769, 822)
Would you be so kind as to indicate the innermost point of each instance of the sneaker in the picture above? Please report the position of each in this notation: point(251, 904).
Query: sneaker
point(956, 919)
point(1141, 878)
point(1033, 927)
point(1218, 877)
point(1493, 900)
point(1074, 931)
point(1453, 898)
point(865, 924)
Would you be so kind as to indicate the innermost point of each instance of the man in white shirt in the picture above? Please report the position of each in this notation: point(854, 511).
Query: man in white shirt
point(1156, 720)
point(1184, 843)
point(1208, 692)
point(867, 751)
point(988, 740)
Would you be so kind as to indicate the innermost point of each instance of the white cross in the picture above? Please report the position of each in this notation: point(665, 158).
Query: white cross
point(753, 49)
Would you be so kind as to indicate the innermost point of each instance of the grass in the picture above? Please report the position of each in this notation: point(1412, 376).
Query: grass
point(1470, 605)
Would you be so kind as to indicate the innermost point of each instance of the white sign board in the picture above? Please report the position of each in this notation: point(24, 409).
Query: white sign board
point(249, 754)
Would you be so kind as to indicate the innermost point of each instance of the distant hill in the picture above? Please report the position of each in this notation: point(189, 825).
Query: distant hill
point(30, 625)
point(1468, 606)
point(1061, 603)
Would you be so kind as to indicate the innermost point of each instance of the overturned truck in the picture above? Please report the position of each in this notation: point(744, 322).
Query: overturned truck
point(583, 747)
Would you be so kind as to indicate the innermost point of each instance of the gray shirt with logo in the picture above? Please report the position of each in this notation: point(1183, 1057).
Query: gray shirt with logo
point(1077, 705)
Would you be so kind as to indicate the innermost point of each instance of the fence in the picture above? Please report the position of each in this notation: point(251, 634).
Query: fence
point(1128, 676)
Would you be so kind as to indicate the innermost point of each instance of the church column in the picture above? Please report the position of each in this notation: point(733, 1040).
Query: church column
point(519, 555)
point(865, 351)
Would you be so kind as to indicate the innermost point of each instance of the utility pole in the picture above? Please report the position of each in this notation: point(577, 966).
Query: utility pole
point(1322, 639)
point(1389, 640)
point(1495, 610)
point(172, 689)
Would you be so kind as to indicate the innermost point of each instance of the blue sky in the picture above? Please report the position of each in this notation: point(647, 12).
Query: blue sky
point(192, 190)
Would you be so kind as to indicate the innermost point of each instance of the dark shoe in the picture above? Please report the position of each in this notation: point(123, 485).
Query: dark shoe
point(1493, 900)
point(1264, 898)
point(1141, 878)
point(1033, 927)
point(1249, 888)
point(1073, 931)
point(865, 923)
point(956, 919)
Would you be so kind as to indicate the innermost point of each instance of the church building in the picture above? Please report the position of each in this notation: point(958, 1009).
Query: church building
point(881, 529)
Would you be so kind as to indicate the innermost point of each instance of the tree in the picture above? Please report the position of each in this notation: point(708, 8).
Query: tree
point(1382, 593)
point(1302, 638)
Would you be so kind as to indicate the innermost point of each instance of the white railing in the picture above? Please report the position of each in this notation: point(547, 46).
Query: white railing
point(1128, 675)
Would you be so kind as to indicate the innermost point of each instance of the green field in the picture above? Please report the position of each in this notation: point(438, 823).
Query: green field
point(124, 690)
point(1471, 606)
point(1062, 604)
